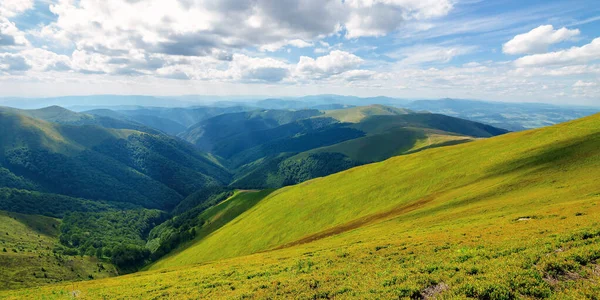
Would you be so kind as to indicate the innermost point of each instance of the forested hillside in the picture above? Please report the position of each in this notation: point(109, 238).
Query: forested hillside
point(110, 184)
point(97, 163)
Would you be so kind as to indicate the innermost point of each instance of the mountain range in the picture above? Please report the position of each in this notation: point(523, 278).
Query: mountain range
point(279, 200)
point(507, 115)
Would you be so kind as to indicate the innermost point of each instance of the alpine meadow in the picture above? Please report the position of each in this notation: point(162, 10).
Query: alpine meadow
point(299, 149)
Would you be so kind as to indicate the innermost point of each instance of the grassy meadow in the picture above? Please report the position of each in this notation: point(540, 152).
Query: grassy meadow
point(510, 217)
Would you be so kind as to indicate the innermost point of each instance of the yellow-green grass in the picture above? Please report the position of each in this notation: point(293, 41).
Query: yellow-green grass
point(28, 258)
point(473, 251)
point(514, 216)
point(215, 218)
point(393, 142)
point(357, 114)
point(448, 177)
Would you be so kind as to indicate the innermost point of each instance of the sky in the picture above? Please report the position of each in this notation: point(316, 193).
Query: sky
point(502, 50)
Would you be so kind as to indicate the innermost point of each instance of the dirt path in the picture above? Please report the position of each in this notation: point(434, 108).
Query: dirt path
point(370, 219)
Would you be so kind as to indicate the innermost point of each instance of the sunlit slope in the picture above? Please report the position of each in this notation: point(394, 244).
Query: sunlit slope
point(357, 114)
point(392, 142)
point(531, 165)
point(28, 258)
point(218, 216)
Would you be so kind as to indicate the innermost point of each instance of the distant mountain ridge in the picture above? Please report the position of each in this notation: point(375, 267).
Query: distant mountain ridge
point(507, 115)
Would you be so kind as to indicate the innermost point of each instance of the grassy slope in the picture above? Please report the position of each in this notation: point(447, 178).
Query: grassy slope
point(393, 142)
point(357, 114)
point(445, 175)
point(29, 241)
point(217, 217)
point(386, 136)
point(512, 216)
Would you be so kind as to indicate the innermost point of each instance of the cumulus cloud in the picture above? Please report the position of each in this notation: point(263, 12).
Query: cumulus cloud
point(258, 69)
point(192, 28)
point(11, 8)
point(336, 62)
point(197, 28)
point(379, 17)
point(44, 60)
point(167, 38)
point(13, 62)
point(538, 40)
point(574, 55)
point(10, 35)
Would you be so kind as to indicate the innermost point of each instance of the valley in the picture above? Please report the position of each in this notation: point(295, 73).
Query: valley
point(517, 219)
point(300, 203)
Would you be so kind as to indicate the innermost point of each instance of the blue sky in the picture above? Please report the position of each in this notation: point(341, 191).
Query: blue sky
point(534, 51)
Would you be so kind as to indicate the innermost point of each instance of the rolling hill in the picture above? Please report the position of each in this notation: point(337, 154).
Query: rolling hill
point(291, 154)
point(274, 148)
point(509, 217)
point(60, 115)
point(492, 167)
point(98, 163)
point(209, 132)
point(163, 124)
point(169, 120)
point(357, 114)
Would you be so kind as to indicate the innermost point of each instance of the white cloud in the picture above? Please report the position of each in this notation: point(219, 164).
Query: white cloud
point(430, 53)
point(380, 17)
point(11, 8)
point(44, 60)
point(538, 40)
point(336, 62)
point(258, 69)
point(196, 28)
point(192, 28)
point(10, 62)
point(298, 43)
point(583, 84)
point(10, 35)
point(357, 75)
point(574, 55)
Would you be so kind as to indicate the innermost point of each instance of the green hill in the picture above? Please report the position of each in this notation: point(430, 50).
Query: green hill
point(207, 133)
point(60, 115)
point(31, 255)
point(184, 116)
point(357, 114)
point(298, 153)
point(163, 124)
point(343, 197)
point(97, 163)
point(509, 217)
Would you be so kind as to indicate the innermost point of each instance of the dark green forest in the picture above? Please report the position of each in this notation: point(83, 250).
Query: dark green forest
point(116, 235)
